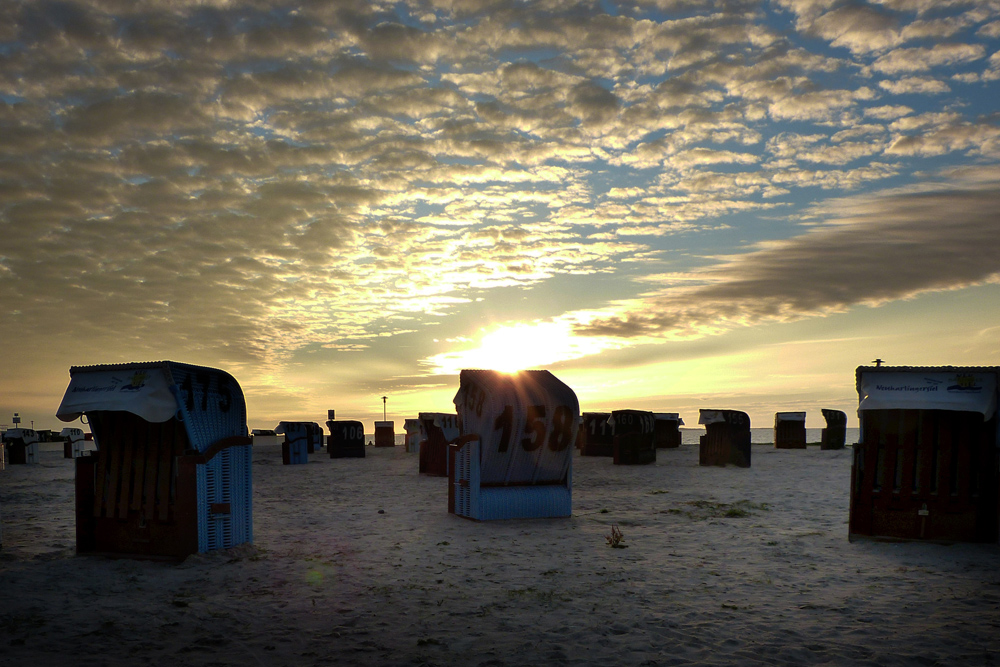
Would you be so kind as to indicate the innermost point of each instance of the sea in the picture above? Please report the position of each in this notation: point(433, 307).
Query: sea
point(689, 436)
point(763, 436)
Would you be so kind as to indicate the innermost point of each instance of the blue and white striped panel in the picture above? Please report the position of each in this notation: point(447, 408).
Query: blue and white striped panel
point(525, 502)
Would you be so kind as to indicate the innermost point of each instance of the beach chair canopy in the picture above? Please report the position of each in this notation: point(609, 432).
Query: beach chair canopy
point(631, 421)
point(932, 388)
point(669, 417)
point(209, 402)
point(72, 434)
point(789, 417)
point(733, 417)
point(526, 423)
point(835, 417)
point(143, 389)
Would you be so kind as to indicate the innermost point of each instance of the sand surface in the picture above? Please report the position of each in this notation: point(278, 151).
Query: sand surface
point(357, 562)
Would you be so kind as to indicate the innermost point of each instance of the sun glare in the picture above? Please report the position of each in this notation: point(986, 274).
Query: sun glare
point(521, 347)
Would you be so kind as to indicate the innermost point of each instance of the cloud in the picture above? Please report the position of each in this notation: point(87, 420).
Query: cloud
point(788, 149)
point(859, 28)
point(870, 250)
point(990, 30)
point(923, 59)
point(888, 112)
point(939, 139)
point(915, 85)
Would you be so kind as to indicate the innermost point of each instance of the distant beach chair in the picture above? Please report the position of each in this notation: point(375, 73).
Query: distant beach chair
point(299, 436)
point(726, 440)
point(666, 430)
point(597, 435)
point(73, 442)
point(633, 439)
point(925, 465)
point(411, 441)
point(514, 457)
point(172, 475)
point(346, 439)
point(20, 446)
point(437, 430)
point(790, 430)
point(385, 434)
point(834, 436)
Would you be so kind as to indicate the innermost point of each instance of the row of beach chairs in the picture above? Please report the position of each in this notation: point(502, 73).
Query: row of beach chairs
point(172, 473)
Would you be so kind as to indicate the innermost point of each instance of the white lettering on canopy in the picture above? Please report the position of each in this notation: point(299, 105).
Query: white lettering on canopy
point(957, 391)
point(143, 391)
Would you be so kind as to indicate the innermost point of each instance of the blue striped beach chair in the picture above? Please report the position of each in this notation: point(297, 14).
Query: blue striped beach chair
point(514, 457)
point(172, 473)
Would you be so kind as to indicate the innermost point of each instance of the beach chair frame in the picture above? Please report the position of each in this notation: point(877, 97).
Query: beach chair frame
point(597, 436)
point(437, 431)
point(790, 430)
point(346, 439)
point(514, 457)
point(634, 437)
point(834, 436)
point(921, 470)
point(726, 440)
point(164, 489)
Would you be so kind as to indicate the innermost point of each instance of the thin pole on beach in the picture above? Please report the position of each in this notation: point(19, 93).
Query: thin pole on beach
point(384, 398)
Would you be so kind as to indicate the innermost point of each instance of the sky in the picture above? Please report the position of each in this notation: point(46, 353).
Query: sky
point(670, 204)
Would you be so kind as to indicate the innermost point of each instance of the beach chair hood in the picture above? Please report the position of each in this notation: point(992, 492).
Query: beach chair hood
point(142, 389)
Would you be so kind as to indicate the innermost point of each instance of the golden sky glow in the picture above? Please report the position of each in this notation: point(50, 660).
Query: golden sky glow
point(522, 346)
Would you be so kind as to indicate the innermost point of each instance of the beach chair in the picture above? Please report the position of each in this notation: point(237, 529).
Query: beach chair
point(834, 436)
point(925, 466)
point(411, 441)
point(73, 442)
point(314, 437)
point(513, 459)
point(598, 437)
point(298, 443)
point(385, 434)
point(346, 439)
point(790, 430)
point(633, 440)
point(172, 474)
point(726, 440)
point(666, 430)
point(20, 446)
point(437, 430)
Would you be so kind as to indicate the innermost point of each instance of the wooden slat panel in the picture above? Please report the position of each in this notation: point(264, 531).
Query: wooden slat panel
point(966, 444)
point(128, 444)
point(926, 439)
point(143, 433)
point(152, 465)
point(104, 433)
point(164, 473)
point(911, 429)
point(945, 446)
point(114, 469)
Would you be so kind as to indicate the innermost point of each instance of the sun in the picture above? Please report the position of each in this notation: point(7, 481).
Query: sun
point(521, 346)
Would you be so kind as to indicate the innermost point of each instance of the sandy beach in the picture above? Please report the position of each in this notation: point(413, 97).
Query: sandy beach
point(356, 561)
